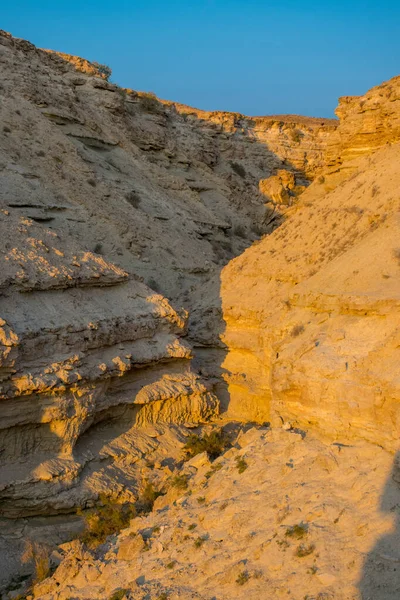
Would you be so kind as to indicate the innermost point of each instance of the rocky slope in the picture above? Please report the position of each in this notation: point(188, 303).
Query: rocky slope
point(278, 516)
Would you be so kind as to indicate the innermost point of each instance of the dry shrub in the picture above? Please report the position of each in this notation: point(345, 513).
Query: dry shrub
point(213, 443)
point(297, 330)
point(147, 498)
point(105, 520)
point(150, 103)
point(39, 555)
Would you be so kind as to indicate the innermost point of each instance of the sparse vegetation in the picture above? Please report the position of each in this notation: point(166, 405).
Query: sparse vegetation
point(152, 283)
point(201, 500)
point(239, 169)
point(118, 594)
point(171, 564)
point(103, 70)
point(192, 526)
point(297, 330)
point(147, 498)
point(214, 469)
point(149, 101)
point(241, 464)
point(304, 550)
point(296, 135)
point(297, 531)
point(198, 542)
point(180, 481)
point(213, 443)
point(396, 254)
point(240, 231)
point(374, 190)
point(105, 520)
point(312, 570)
point(39, 555)
point(133, 198)
point(243, 578)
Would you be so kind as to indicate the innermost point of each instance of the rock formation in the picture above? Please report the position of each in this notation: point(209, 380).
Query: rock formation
point(103, 188)
point(311, 311)
point(125, 320)
point(295, 521)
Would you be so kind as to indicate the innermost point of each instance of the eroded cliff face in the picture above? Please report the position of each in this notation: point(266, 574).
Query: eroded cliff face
point(311, 311)
point(107, 195)
point(367, 123)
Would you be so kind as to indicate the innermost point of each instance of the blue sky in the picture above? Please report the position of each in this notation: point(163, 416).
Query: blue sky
point(255, 57)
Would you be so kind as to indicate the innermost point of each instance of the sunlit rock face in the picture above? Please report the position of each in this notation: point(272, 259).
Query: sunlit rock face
point(366, 123)
point(311, 312)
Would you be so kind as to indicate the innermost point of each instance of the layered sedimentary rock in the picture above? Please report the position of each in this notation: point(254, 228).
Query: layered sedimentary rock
point(81, 343)
point(311, 312)
point(105, 190)
point(366, 123)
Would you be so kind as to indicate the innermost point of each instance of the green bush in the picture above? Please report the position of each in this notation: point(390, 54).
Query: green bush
point(241, 464)
point(149, 102)
point(213, 443)
point(118, 594)
point(105, 520)
point(243, 578)
point(180, 482)
point(147, 498)
point(297, 531)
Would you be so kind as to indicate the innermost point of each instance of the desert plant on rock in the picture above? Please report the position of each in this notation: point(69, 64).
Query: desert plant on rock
point(304, 550)
point(105, 520)
point(213, 443)
point(180, 481)
point(39, 555)
point(119, 594)
point(147, 498)
point(297, 531)
point(103, 70)
point(242, 578)
point(241, 464)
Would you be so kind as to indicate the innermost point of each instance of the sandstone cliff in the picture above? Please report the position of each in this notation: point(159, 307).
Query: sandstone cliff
point(311, 312)
point(366, 124)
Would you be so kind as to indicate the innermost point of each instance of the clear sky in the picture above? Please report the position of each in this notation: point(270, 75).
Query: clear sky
point(255, 57)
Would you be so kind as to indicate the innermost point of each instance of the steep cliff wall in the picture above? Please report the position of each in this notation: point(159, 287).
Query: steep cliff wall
point(366, 123)
point(311, 312)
